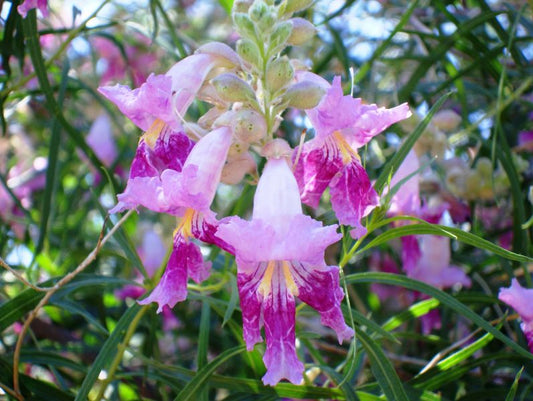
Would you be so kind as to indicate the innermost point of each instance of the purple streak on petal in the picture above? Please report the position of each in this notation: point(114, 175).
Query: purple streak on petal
point(319, 287)
point(280, 356)
point(315, 170)
point(185, 261)
point(145, 187)
point(205, 226)
point(353, 197)
point(248, 280)
point(143, 105)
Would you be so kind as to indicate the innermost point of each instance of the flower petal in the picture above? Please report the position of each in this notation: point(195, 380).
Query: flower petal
point(315, 170)
point(352, 196)
point(280, 356)
point(318, 286)
point(185, 261)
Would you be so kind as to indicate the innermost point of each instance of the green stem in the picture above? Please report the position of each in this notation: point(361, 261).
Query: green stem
point(120, 352)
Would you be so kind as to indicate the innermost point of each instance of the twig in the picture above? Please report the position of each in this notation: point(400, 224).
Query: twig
point(86, 262)
point(20, 277)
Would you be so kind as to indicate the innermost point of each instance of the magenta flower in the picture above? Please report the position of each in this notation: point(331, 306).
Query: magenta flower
point(28, 5)
point(280, 256)
point(187, 193)
point(520, 299)
point(343, 124)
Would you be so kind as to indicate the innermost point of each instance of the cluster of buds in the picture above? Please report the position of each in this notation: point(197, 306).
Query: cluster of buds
point(178, 165)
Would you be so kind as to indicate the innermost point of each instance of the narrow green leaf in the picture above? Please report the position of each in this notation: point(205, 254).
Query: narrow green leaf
point(383, 370)
point(419, 309)
point(445, 299)
point(394, 163)
point(38, 357)
point(108, 352)
point(233, 301)
point(16, 308)
point(190, 391)
point(423, 227)
point(464, 353)
point(514, 387)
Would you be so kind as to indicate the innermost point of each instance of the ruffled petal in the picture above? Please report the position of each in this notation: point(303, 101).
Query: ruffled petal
point(28, 5)
point(143, 105)
point(279, 317)
point(248, 280)
point(315, 169)
point(353, 197)
point(185, 261)
point(519, 298)
point(318, 286)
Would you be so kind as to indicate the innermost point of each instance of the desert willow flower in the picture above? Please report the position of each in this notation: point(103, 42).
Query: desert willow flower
point(280, 256)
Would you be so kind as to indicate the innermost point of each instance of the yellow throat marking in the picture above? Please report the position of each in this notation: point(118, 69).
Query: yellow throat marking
point(152, 133)
point(185, 224)
point(345, 149)
point(265, 287)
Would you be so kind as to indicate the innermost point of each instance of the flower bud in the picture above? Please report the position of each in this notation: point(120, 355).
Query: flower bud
point(258, 10)
point(279, 74)
point(249, 52)
point(293, 6)
point(231, 88)
point(227, 56)
point(249, 126)
point(244, 25)
point(302, 31)
point(279, 37)
point(241, 6)
point(303, 95)
point(446, 120)
point(276, 148)
point(473, 183)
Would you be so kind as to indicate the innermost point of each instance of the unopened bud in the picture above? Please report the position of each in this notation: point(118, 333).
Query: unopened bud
point(279, 74)
point(249, 126)
point(258, 10)
point(302, 31)
point(303, 95)
point(231, 88)
point(473, 183)
point(276, 148)
point(236, 168)
point(249, 52)
point(293, 6)
point(446, 120)
point(279, 37)
point(244, 25)
point(227, 56)
point(241, 6)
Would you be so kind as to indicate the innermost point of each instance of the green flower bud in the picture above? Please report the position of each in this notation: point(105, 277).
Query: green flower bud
point(279, 74)
point(244, 25)
point(279, 37)
point(292, 6)
point(473, 183)
point(249, 52)
point(303, 95)
point(302, 31)
point(231, 88)
point(249, 126)
point(241, 6)
point(258, 10)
